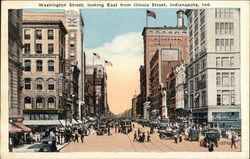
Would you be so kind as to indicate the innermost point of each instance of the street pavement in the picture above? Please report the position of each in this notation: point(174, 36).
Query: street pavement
point(124, 143)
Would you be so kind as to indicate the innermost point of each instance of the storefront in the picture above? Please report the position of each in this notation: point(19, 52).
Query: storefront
point(199, 118)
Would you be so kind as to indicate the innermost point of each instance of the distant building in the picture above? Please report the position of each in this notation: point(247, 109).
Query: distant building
point(134, 103)
point(214, 69)
point(142, 91)
point(165, 47)
point(15, 48)
point(89, 91)
point(171, 95)
point(44, 71)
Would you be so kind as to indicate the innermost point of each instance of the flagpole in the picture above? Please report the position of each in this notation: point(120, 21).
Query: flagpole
point(93, 64)
point(146, 18)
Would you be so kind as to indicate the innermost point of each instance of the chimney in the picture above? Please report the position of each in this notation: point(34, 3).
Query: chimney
point(180, 18)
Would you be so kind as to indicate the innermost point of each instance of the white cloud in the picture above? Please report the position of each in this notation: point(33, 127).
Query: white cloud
point(125, 52)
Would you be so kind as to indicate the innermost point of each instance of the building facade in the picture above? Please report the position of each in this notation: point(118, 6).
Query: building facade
point(134, 106)
point(15, 48)
point(89, 91)
point(214, 70)
point(165, 47)
point(142, 91)
point(44, 71)
point(171, 95)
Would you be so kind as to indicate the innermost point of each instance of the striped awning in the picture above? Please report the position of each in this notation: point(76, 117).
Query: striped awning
point(14, 129)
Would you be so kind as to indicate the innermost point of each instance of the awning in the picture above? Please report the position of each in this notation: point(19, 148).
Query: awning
point(14, 129)
point(23, 127)
point(41, 122)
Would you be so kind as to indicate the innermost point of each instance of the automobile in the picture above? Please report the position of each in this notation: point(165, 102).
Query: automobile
point(193, 135)
point(211, 136)
point(45, 145)
point(101, 130)
point(162, 126)
point(153, 123)
point(167, 134)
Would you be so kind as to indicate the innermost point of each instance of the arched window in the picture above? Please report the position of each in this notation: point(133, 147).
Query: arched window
point(39, 84)
point(27, 65)
point(27, 103)
point(39, 102)
point(39, 65)
point(51, 84)
point(27, 83)
point(50, 65)
point(51, 102)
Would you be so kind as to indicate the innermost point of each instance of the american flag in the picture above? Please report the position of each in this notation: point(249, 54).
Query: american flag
point(108, 63)
point(151, 14)
point(96, 55)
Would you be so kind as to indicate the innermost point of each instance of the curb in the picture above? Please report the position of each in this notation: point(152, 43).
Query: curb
point(63, 146)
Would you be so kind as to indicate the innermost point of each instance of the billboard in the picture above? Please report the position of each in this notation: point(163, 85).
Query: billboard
point(170, 54)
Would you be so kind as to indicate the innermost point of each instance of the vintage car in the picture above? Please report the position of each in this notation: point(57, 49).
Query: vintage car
point(211, 136)
point(101, 129)
point(167, 134)
point(193, 135)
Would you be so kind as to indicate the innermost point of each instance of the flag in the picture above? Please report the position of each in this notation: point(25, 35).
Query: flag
point(151, 14)
point(96, 55)
point(108, 63)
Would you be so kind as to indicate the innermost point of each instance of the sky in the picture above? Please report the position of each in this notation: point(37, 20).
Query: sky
point(115, 34)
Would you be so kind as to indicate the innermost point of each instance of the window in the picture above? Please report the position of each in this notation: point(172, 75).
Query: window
point(50, 48)
point(191, 45)
point(225, 79)
point(231, 28)
point(27, 65)
point(226, 28)
point(232, 61)
point(217, 44)
point(202, 18)
point(39, 65)
point(39, 102)
point(191, 101)
point(191, 71)
point(27, 34)
point(26, 48)
point(232, 79)
point(218, 97)
point(226, 13)
point(191, 86)
point(217, 13)
point(51, 84)
point(227, 44)
point(218, 79)
point(222, 31)
point(50, 34)
point(39, 34)
point(38, 48)
point(39, 84)
point(203, 33)
point(225, 98)
point(27, 103)
point(222, 47)
point(217, 28)
point(196, 83)
point(233, 97)
point(51, 102)
point(50, 65)
point(231, 44)
point(196, 39)
point(225, 62)
point(27, 83)
point(72, 43)
point(217, 61)
point(196, 25)
point(203, 98)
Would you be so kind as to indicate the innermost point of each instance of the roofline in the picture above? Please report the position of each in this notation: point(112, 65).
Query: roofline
point(55, 22)
point(167, 27)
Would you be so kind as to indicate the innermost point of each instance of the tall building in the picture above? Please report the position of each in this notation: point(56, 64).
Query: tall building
point(214, 70)
point(74, 55)
point(44, 71)
point(142, 91)
point(165, 47)
point(74, 52)
point(15, 48)
point(133, 110)
point(89, 91)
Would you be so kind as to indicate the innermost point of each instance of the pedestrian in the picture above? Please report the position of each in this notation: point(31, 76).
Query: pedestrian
point(76, 137)
point(115, 128)
point(135, 137)
point(143, 137)
point(139, 131)
point(176, 138)
point(211, 147)
point(233, 140)
point(148, 137)
point(82, 137)
point(133, 125)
